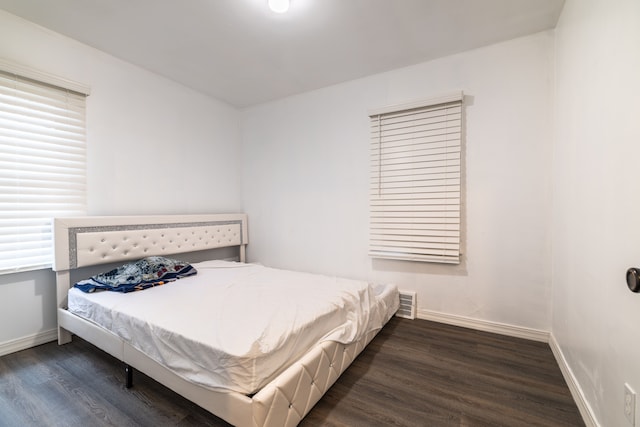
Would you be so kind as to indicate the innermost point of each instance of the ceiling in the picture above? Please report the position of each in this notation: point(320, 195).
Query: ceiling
point(240, 52)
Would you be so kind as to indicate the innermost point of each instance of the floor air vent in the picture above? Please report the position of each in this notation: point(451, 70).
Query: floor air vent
point(407, 305)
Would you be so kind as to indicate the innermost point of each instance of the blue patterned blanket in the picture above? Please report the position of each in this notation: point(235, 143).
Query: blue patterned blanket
point(138, 275)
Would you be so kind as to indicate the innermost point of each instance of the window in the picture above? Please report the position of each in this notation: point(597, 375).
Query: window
point(415, 180)
point(42, 164)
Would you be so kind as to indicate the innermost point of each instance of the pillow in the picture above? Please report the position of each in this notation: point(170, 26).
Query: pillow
point(138, 275)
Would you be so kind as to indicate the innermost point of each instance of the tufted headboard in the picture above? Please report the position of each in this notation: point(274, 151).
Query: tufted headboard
point(84, 241)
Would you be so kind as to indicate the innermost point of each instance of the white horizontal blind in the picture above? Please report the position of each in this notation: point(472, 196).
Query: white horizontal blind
point(415, 182)
point(42, 167)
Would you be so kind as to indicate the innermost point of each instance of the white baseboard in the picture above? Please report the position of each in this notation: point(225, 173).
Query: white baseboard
point(576, 392)
point(485, 325)
point(28, 341)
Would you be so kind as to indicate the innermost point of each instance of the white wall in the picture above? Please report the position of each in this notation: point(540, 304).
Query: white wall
point(306, 171)
point(596, 203)
point(153, 147)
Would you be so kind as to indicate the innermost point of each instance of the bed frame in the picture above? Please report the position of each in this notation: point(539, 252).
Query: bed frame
point(87, 241)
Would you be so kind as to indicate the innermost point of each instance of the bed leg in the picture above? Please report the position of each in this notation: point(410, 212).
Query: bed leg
point(129, 371)
point(64, 336)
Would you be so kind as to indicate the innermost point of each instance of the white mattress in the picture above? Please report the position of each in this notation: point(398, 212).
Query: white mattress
point(236, 326)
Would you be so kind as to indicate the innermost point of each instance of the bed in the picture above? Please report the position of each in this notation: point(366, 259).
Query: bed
point(276, 390)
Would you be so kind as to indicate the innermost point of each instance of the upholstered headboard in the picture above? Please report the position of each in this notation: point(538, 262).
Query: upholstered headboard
point(84, 241)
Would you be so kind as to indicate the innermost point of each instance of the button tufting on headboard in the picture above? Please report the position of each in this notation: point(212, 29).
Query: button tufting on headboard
point(83, 241)
point(104, 246)
point(130, 244)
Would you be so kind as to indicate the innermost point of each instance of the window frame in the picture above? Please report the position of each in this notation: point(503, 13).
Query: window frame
point(416, 180)
point(43, 148)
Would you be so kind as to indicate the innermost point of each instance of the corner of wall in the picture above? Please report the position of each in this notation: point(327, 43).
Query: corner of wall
point(576, 391)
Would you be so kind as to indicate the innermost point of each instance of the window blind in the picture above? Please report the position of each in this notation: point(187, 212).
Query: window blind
point(415, 181)
point(42, 167)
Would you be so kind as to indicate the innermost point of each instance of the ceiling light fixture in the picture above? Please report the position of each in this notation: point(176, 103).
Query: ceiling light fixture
point(279, 6)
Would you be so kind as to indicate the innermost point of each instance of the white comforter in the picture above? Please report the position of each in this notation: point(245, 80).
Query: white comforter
point(236, 326)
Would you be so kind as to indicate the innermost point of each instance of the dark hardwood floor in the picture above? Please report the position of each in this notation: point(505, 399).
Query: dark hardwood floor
point(414, 373)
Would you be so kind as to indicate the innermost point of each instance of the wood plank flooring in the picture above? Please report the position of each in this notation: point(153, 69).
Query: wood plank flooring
point(414, 373)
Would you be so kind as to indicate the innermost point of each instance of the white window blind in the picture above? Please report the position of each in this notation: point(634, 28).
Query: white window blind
point(42, 167)
point(415, 181)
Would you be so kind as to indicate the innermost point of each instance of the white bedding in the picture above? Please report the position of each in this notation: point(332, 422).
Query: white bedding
point(236, 326)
